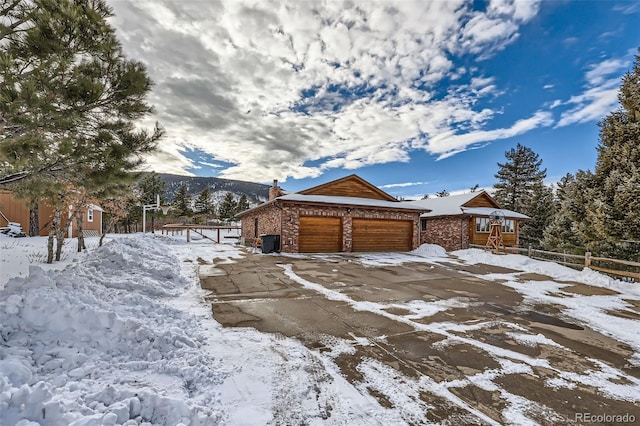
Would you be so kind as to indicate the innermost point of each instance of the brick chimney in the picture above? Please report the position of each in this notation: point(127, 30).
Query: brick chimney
point(275, 191)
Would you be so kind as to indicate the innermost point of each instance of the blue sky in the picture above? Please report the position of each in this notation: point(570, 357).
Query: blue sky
point(415, 97)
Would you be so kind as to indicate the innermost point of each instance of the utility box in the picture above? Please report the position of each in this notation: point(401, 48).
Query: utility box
point(270, 243)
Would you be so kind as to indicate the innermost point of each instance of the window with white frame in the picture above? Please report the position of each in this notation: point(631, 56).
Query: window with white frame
point(508, 226)
point(423, 225)
point(482, 224)
point(90, 215)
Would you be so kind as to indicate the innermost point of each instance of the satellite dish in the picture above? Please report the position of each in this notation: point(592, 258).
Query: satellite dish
point(496, 216)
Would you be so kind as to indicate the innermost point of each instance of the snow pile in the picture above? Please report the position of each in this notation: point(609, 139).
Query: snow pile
point(430, 250)
point(97, 343)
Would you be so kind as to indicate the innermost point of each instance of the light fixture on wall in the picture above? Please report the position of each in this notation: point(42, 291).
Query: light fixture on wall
point(291, 218)
point(348, 210)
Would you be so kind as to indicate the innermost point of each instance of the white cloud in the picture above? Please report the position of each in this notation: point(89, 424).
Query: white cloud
point(402, 185)
point(291, 89)
point(600, 96)
point(449, 144)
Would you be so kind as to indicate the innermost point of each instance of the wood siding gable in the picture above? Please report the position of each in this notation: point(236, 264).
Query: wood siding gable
point(482, 200)
point(350, 186)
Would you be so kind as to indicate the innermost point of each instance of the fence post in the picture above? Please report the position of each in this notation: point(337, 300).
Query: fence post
point(587, 259)
point(188, 235)
point(529, 251)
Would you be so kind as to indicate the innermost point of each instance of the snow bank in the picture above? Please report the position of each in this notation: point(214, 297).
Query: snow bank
point(91, 345)
point(430, 250)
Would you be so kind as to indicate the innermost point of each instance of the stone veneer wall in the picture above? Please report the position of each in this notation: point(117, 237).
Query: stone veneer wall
point(291, 222)
point(269, 222)
point(452, 233)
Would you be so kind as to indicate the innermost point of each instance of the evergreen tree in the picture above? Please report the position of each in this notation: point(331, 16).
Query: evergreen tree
point(517, 178)
point(203, 204)
point(474, 188)
point(443, 193)
point(182, 202)
point(616, 217)
point(567, 227)
point(227, 208)
point(541, 208)
point(243, 204)
point(69, 98)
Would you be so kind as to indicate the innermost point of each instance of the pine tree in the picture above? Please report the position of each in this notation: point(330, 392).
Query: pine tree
point(227, 208)
point(443, 193)
point(243, 204)
point(518, 177)
point(69, 97)
point(181, 203)
point(616, 217)
point(203, 205)
point(541, 208)
point(568, 226)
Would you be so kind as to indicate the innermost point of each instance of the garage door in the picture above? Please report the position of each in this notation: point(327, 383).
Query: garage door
point(320, 234)
point(382, 235)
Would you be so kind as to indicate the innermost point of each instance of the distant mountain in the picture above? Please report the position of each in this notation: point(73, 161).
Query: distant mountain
point(256, 192)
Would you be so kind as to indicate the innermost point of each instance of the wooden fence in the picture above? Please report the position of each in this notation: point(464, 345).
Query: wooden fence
point(622, 268)
point(198, 229)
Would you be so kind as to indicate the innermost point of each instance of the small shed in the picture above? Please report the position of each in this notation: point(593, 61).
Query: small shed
point(344, 215)
point(456, 221)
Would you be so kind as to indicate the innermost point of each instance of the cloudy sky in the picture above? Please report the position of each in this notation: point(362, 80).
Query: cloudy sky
point(414, 96)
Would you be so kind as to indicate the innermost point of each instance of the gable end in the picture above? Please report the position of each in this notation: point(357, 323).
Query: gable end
point(350, 186)
point(482, 200)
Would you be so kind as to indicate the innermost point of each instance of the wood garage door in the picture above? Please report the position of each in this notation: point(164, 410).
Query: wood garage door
point(382, 235)
point(319, 234)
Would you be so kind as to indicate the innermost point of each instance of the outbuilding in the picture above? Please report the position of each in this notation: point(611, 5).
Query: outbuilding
point(344, 215)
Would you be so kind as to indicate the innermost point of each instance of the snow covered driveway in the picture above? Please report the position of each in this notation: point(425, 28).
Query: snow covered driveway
point(444, 340)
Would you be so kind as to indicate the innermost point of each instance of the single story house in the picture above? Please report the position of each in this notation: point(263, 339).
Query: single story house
point(456, 221)
point(344, 215)
point(15, 209)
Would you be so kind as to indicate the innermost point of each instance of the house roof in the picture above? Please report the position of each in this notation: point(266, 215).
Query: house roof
point(453, 205)
point(351, 201)
point(486, 211)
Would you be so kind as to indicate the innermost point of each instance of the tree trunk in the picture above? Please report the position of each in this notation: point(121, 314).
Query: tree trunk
point(110, 226)
point(152, 224)
point(34, 220)
point(59, 235)
point(52, 232)
point(79, 223)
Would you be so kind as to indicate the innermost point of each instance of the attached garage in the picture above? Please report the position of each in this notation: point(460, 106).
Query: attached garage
point(382, 235)
point(344, 215)
point(320, 234)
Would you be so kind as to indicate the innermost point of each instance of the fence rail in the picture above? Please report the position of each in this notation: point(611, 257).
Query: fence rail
point(623, 268)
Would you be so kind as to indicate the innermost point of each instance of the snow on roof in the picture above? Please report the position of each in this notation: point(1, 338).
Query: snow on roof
point(486, 211)
point(452, 205)
point(445, 206)
point(352, 201)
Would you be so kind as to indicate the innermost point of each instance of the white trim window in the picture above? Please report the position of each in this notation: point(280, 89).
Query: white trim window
point(482, 224)
point(89, 215)
point(508, 226)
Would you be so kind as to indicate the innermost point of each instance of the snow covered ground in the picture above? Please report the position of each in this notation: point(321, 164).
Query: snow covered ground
point(121, 334)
